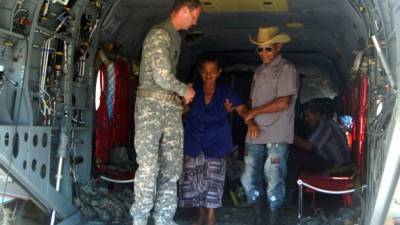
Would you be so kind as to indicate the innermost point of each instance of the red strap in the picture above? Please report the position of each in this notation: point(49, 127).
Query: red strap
point(103, 132)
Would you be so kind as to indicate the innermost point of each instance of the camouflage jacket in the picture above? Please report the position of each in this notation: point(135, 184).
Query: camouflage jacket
point(160, 55)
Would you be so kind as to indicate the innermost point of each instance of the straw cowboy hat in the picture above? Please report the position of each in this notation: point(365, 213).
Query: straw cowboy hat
point(269, 35)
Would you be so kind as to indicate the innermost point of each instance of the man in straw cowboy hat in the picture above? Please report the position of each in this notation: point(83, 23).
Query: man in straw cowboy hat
point(273, 95)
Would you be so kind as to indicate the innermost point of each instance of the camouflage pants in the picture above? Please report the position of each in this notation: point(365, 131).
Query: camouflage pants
point(159, 149)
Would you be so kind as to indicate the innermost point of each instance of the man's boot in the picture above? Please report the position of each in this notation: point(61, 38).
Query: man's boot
point(274, 218)
point(259, 209)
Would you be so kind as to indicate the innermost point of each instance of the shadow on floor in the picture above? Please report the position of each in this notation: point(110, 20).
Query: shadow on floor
point(230, 215)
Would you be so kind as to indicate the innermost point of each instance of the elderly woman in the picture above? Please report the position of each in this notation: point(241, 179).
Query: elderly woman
point(208, 139)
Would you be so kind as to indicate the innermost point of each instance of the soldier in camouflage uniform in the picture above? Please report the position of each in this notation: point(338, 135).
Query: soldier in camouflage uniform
point(158, 124)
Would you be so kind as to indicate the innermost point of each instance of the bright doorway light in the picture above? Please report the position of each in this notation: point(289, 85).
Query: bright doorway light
point(98, 91)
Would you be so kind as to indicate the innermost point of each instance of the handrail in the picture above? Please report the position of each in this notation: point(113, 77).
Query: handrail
point(300, 182)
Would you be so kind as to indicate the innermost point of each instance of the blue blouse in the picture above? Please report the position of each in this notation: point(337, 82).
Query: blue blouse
point(208, 128)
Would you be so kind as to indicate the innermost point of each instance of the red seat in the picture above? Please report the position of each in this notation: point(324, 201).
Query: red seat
point(331, 183)
point(344, 182)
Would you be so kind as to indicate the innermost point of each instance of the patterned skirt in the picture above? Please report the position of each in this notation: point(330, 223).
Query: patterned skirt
point(202, 182)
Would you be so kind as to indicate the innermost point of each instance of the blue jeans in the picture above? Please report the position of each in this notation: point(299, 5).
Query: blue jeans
point(271, 159)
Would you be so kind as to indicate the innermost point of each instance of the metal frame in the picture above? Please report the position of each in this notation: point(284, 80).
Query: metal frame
point(29, 149)
point(390, 175)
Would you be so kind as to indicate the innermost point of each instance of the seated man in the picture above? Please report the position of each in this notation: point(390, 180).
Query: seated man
point(326, 146)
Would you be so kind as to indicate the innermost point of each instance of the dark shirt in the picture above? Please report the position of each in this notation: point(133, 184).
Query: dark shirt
point(207, 128)
point(330, 142)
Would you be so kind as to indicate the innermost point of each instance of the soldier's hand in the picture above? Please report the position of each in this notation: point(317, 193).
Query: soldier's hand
point(189, 95)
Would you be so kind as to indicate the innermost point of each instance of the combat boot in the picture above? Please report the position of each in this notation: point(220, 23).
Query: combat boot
point(259, 209)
